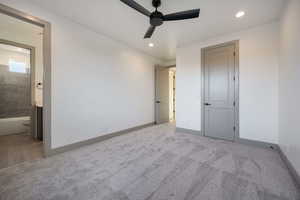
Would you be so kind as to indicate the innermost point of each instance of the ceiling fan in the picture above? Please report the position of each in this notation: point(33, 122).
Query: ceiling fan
point(157, 18)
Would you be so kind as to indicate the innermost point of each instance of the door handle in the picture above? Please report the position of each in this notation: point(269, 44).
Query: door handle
point(207, 104)
point(157, 101)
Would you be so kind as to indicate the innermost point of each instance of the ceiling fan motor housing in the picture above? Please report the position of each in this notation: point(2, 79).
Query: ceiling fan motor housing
point(156, 3)
point(156, 18)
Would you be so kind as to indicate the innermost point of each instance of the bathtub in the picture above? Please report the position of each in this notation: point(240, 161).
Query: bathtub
point(9, 126)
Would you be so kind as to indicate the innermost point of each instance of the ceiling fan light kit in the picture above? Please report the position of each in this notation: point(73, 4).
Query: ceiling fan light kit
point(157, 18)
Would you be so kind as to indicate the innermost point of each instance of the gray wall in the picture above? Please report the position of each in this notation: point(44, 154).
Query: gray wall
point(14, 93)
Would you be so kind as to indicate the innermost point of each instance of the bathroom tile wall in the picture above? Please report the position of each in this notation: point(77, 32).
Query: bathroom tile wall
point(14, 93)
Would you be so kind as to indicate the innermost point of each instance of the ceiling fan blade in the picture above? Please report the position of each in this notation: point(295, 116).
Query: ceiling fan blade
point(149, 32)
point(189, 14)
point(136, 6)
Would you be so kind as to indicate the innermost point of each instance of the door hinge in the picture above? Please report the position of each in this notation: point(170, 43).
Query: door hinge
point(234, 128)
point(234, 78)
point(234, 103)
point(233, 53)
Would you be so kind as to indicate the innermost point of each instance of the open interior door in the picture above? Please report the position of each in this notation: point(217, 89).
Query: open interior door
point(161, 95)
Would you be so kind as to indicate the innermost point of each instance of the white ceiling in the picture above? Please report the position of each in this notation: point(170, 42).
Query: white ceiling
point(116, 20)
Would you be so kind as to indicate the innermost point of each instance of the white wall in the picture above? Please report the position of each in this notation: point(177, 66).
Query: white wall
point(99, 86)
point(289, 82)
point(168, 63)
point(258, 82)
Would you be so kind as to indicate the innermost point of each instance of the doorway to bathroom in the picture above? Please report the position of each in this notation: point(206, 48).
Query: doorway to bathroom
point(21, 96)
point(165, 94)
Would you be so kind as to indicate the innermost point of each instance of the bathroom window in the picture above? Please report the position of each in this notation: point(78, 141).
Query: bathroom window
point(18, 67)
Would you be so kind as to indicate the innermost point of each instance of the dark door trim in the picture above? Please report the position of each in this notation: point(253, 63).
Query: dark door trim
point(236, 87)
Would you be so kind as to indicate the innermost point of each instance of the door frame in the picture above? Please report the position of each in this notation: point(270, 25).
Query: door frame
point(6, 10)
point(157, 67)
point(236, 86)
point(156, 107)
point(32, 78)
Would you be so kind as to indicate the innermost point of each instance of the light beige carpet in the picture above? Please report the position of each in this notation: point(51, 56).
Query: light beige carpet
point(153, 164)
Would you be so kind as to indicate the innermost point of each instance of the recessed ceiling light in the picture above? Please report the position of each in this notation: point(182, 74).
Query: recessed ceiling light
point(151, 45)
point(240, 14)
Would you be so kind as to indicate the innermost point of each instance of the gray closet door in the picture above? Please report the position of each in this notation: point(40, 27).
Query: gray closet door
point(219, 92)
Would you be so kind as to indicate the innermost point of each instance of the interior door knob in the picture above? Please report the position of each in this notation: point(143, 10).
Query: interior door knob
point(157, 101)
point(207, 104)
